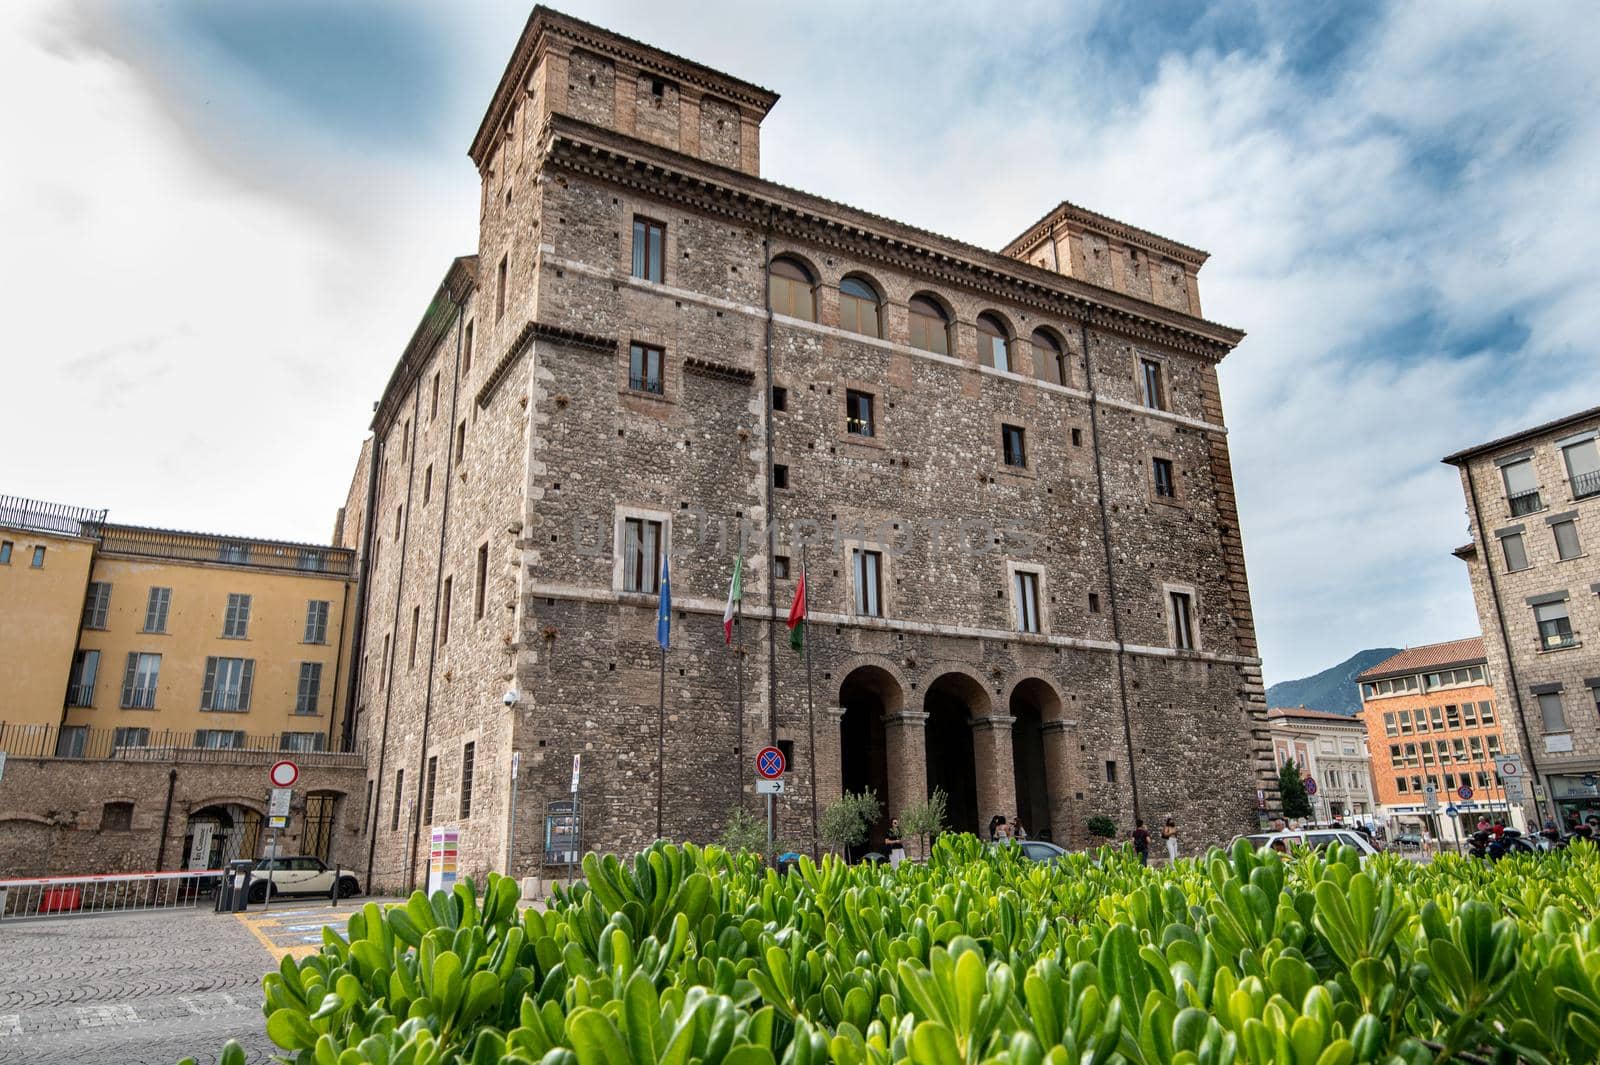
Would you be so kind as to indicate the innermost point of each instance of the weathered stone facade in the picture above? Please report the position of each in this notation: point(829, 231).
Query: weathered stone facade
point(544, 445)
point(1548, 682)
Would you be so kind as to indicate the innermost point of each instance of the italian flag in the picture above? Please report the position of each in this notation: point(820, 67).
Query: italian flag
point(797, 616)
point(735, 594)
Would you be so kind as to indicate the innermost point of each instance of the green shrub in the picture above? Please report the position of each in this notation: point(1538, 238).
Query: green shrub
point(925, 819)
point(1102, 826)
point(848, 819)
point(978, 957)
point(743, 832)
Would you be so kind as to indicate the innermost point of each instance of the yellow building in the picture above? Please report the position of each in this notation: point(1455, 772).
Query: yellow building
point(131, 637)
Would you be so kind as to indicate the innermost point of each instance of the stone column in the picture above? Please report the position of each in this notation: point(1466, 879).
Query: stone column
point(905, 737)
point(829, 756)
point(996, 770)
point(1059, 753)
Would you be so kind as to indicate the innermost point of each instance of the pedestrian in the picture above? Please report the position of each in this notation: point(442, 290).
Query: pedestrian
point(1169, 832)
point(894, 843)
point(997, 828)
point(1483, 824)
point(1141, 842)
point(1427, 844)
point(1279, 825)
point(1017, 831)
point(1499, 829)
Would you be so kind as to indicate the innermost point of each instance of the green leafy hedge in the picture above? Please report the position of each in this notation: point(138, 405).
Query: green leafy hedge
point(686, 954)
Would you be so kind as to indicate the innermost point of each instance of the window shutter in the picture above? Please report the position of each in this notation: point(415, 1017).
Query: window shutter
point(244, 683)
point(129, 677)
point(244, 614)
point(207, 692)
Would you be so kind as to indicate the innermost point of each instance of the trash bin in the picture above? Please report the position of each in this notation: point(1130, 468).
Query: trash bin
point(234, 891)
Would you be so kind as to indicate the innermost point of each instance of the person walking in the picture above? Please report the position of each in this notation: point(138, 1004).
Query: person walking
point(1169, 832)
point(894, 843)
point(1141, 842)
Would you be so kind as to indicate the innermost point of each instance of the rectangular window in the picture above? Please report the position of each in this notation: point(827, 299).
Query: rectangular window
point(302, 742)
point(155, 609)
point(385, 677)
point(1094, 602)
point(1436, 715)
point(500, 289)
point(1025, 593)
point(641, 555)
point(1405, 722)
point(466, 349)
point(1077, 437)
point(1476, 743)
point(780, 475)
point(80, 683)
point(444, 610)
point(366, 811)
point(309, 692)
point(1151, 392)
point(858, 413)
point(780, 398)
point(96, 604)
point(38, 558)
point(399, 792)
point(868, 567)
point(1161, 472)
point(780, 567)
point(317, 621)
point(430, 781)
point(1469, 715)
point(236, 623)
point(461, 441)
point(1567, 545)
point(649, 249)
point(1459, 746)
point(227, 685)
point(219, 739)
point(482, 581)
point(1394, 754)
point(130, 737)
point(433, 401)
point(1400, 784)
point(398, 511)
point(416, 623)
point(1422, 719)
point(1583, 467)
point(1182, 621)
point(1555, 629)
point(644, 369)
point(1412, 758)
point(1552, 713)
point(427, 484)
point(1522, 487)
point(1389, 727)
point(5, 552)
point(467, 754)
point(140, 680)
point(1111, 772)
point(1492, 746)
point(1516, 552)
point(1452, 716)
point(1013, 446)
point(1486, 712)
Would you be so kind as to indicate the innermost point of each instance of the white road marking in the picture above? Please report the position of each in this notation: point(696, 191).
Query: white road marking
point(107, 1016)
point(206, 1005)
point(10, 1024)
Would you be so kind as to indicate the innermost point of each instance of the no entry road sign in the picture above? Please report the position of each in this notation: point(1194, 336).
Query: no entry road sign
point(769, 763)
point(284, 774)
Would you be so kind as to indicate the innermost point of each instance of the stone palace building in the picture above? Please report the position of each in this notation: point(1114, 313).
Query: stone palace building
point(1006, 473)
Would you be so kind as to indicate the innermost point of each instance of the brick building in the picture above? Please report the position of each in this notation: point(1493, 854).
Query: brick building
point(1006, 473)
point(1533, 500)
point(1432, 717)
point(1330, 749)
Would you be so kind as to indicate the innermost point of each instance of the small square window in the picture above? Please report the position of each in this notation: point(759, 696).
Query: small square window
point(1111, 772)
point(1013, 446)
point(780, 475)
point(858, 413)
point(780, 398)
point(780, 567)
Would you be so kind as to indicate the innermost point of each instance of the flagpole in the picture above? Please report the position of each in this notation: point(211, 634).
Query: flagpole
point(663, 637)
point(811, 716)
point(738, 682)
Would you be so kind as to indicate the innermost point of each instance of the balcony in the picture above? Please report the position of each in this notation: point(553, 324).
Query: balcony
point(1525, 503)
point(1586, 484)
point(223, 746)
point(198, 547)
point(35, 515)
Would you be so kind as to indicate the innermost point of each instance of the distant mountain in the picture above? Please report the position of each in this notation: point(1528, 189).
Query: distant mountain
point(1334, 689)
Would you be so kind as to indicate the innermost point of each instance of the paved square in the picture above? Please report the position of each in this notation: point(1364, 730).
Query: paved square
point(145, 987)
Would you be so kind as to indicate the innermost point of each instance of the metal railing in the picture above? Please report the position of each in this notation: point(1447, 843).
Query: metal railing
point(645, 384)
point(1586, 484)
point(196, 547)
point(1525, 503)
point(65, 896)
point(36, 515)
point(223, 746)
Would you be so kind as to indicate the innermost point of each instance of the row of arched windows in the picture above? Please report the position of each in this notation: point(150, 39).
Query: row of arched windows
point(792, 289)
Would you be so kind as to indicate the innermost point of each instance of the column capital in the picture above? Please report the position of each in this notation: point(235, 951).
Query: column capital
point(992, 721)
point(906, 718)
point(835, 711)
point(1061, 725)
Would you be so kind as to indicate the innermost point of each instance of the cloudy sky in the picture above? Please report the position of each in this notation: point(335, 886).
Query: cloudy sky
point(219, 223)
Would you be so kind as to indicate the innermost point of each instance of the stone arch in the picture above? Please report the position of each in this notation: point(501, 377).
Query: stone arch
point(869, 695)
point(881, 662)
point(1039, 753)
point(218, 831)
point(937, 670)
point(955, 701)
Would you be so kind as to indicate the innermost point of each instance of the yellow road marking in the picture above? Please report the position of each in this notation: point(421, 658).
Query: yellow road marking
point(257, 926)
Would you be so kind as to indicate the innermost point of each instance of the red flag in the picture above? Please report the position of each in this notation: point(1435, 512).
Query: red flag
point(797, 615)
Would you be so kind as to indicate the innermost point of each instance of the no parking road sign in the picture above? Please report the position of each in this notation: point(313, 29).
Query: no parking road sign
point(769, 763)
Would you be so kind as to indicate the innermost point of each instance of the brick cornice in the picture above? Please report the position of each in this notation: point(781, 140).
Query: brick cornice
point(1069, 215)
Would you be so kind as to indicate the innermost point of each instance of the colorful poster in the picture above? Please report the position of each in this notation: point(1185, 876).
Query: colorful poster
point(442, 849)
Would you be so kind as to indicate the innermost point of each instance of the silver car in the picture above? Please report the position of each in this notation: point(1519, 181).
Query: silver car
point(1317, 838)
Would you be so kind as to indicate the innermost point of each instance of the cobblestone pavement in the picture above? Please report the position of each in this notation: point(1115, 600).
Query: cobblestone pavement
point(144, 987)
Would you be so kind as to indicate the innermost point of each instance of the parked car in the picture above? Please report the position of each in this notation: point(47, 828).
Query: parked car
point(1037, 850)
point(1319, 838)
point(1407, 841)
point(300, 874)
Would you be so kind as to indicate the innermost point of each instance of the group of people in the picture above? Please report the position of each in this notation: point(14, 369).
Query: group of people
point(1000, 828)
point(1141, 840)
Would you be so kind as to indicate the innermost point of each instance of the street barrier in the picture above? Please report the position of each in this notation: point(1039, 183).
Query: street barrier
point(68, 896)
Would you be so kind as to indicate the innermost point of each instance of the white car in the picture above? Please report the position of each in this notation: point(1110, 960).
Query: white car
point(300, 874)
point(1318, 838)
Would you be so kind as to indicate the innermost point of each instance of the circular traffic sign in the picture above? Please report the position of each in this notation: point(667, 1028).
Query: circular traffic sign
point(1311, 785)
point(1451, 810)
point(284, 774)
point(769, 763)
point(1465, 791)
point(1508, 767)
point(1589, 780)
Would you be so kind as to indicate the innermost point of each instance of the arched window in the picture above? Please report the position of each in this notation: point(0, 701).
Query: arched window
point(790, 286)
point(930, 326)
point(1049, 361)
point(858, 307)
point(992, 349)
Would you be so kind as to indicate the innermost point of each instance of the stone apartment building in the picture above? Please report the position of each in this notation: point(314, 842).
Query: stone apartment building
point(1533, 503)
point(149, 678)
point(1330, 749)
point(1432, 717)
point(1005, 473)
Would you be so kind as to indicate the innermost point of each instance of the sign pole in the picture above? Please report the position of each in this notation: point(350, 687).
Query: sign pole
point(811, 717)
point(738, 679)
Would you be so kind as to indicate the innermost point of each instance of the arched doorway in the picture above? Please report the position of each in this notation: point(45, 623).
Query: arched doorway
point(1033, 703)
point(867, 694)
point(953, 700)
point(217, 834)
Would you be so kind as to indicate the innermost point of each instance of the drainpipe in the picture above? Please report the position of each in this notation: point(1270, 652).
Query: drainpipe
point(1111, 576)
point(1505, 641)
point(166, 820)
point(338, 664)
point(438, 594)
